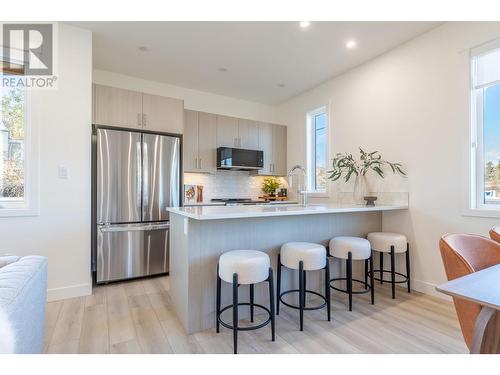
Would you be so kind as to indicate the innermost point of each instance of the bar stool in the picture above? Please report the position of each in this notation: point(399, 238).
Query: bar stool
point(349, 249)
point(393, 243)
point(242, 267)
point(303, 256)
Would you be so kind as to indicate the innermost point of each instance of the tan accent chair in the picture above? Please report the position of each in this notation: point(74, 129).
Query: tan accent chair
point(464, 254)
point(495, 234)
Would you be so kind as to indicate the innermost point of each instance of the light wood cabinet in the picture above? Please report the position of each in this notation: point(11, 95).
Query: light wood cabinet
point(272, 140)
point(199, 151)
point(207, 142)
point(248, 134)
point(132, 109)
point(227, 131)
point(190, 142)
point(162, 114)
point(117, 107)
point(266, 145)
point(279, 150)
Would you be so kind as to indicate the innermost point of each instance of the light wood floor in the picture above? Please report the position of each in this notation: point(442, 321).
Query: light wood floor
point(137, 317)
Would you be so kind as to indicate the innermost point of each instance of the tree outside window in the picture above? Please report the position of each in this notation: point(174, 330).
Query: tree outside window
point(12, 136)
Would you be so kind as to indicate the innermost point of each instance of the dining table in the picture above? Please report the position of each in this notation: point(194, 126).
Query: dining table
point(483, 288)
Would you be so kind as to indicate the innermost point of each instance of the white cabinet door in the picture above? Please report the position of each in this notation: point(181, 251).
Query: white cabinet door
point(207, 142)
point(248, 134)
point(190, 141)
point(117, 107)
point(227, 131)
point(279, 150)
point(162, 114)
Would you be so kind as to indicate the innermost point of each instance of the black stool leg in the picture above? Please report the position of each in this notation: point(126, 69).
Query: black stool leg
point(327, 288)
point(251, 302)
point(349, 278)
point(217, 293)
point(278, 287)
point(372, 281)
point(301, 294)
point(271, 302)
point(235, 313)
point(366, 273)
point(393, 274)
point(408, 265)
point(381, 267)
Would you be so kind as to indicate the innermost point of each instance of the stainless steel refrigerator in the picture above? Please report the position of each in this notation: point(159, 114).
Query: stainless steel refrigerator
point(137, 176)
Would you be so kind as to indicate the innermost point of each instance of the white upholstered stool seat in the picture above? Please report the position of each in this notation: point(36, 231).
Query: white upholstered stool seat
point(312, 255)
point(382, 242)
point(358, 247)
point(252, 266)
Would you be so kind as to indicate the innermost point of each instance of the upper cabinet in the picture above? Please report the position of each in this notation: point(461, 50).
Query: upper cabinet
point(272, 140)
point(162, 114)
point(131, 109)
point(248, 134)
point(227, 131)
point(199, 151)
point(279, 150)
point(117, 107)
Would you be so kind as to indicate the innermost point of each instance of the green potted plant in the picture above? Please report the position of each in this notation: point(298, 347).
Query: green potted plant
point(269, 185)
point(344, 165)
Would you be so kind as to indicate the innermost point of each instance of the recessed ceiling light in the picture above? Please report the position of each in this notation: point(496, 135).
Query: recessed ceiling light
point(281, 85)
point(304, 24)
point(143, 48)
point(222, 70)
point(350, 44)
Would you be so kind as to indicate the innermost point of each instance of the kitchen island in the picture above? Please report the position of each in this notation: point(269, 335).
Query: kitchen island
point(199, 235)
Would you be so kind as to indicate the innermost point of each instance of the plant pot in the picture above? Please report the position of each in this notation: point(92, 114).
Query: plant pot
point(360, 189)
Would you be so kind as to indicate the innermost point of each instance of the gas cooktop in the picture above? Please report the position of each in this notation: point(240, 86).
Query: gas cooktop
point(229, 201)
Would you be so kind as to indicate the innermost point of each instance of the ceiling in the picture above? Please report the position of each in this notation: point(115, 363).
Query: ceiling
point(265, 62)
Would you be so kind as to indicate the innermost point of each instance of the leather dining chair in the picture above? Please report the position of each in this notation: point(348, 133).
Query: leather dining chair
point(495, 234)
point(464, 254)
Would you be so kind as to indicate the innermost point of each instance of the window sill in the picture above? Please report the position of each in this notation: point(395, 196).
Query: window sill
point(477, 212)
point(14, 212)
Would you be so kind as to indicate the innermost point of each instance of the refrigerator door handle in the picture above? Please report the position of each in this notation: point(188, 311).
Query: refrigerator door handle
point(132, 228)
point(138, 177)
point(145, 177)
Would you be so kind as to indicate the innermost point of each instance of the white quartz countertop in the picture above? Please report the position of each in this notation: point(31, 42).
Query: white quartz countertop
point(237, 212)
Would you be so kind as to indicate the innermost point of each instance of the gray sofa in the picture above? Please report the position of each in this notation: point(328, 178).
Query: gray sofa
point(23, 290)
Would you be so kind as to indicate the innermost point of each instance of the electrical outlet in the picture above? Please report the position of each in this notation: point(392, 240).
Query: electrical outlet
point(62, 172)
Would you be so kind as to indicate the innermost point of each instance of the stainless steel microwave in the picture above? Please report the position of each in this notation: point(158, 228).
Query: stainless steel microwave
point(239, 159)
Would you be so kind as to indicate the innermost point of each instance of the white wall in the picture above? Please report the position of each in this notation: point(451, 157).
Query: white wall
point(193, 99)
point(412, 105)
point(63, 117)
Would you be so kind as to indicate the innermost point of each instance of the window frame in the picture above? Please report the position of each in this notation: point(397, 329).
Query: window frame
point(475, 199)
point(311, 149)
point(29, 205)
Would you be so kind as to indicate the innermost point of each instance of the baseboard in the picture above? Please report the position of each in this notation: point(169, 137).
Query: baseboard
point(428, 288)
point(72, 291)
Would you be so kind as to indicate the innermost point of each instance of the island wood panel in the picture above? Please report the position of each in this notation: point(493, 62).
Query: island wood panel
point(194, 255)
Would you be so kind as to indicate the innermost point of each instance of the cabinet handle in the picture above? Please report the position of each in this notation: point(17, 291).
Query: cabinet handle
point(201, 163)
point(144, 120)
point(138, 119)
point(196, 163)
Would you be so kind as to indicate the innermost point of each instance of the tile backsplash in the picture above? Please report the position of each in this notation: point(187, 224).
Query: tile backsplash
point(228, 184)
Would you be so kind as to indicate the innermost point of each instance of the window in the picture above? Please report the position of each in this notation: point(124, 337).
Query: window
point(485, 130)
point(317, 149)
point(16, 197)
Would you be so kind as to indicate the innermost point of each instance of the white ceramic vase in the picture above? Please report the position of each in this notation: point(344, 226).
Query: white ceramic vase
point(360, 189)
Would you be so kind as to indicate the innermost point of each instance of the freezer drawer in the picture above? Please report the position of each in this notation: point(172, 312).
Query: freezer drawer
point(131, 250)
